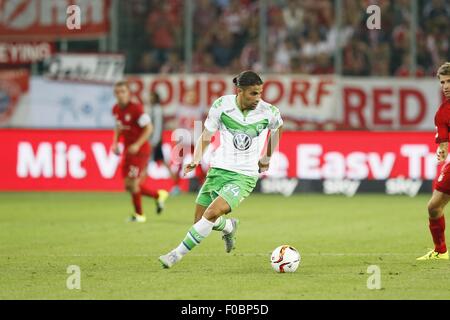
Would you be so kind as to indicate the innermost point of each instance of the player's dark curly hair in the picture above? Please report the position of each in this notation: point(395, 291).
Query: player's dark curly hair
point(247, 78)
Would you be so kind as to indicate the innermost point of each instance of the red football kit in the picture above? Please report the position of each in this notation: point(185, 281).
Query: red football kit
point(442, 123)
point(442, 183)
point(131, 121)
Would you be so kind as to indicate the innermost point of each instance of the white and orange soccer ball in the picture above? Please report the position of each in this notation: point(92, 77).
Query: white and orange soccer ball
point(285, 258)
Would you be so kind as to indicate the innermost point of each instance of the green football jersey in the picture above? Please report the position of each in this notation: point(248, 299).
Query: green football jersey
point(242, 134)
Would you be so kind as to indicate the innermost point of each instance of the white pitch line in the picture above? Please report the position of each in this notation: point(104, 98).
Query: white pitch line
point(245, 254)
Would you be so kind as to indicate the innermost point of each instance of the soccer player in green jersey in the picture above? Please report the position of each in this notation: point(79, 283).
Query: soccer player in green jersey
point(243, 121)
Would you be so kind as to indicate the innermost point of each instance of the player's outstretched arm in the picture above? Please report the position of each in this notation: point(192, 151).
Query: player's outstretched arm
point(442, 152)
point(115, 143)
point(202, 143)
point(272, 144)
point(145, 135)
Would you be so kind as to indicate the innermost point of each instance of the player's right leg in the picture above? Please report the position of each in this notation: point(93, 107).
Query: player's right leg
point(199, 211)
point(217, 184)
point(132, 186)
point(436, 207)
point(199, 231)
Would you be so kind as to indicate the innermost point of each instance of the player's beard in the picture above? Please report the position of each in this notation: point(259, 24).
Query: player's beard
point(252, 106)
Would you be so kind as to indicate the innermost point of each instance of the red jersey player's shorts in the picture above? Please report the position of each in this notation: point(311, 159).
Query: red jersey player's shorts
point(134, 165)
point(442, 183)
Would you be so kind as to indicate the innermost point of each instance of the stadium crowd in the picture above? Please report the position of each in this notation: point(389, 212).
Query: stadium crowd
point(302, 36)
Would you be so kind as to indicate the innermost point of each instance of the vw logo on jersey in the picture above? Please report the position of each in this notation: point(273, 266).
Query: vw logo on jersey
point(242, 141)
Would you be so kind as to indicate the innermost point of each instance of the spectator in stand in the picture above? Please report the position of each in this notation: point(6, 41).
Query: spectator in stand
point(436, 10)
point(282, 56)
point(400, 45)
point(206, 65)
point(222, 48)
point(402, 12)
point(293, 15)
point(173, 64)
point(297, 66)
point(205, 15)
point(229, 30)
point(277, 31)
point(356, 59)
point(404, 69)
point(424, 59)
point(313, 45)
point(162, 27)
point(234, 17)
point(148, 63)
point(250, 54)
point(322, 65)
point(379, 59)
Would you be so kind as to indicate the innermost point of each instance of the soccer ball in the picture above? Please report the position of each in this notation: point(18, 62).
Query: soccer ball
point(285, 259)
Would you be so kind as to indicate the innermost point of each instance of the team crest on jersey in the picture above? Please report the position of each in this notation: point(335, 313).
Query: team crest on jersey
point(127, 117)
point(242, 141)
point(259, 128)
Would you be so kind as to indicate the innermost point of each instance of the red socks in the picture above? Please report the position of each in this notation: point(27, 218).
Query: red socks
point(437, 228)
point(146, 191)
point(137, 202)
point(137, 198)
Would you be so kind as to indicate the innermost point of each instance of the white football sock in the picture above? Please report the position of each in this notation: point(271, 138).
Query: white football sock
point(228, 227)
point(195, 235)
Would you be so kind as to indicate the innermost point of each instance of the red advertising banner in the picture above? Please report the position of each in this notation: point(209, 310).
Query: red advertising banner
point(67, 160)
point(357, 155)
point(47, 19)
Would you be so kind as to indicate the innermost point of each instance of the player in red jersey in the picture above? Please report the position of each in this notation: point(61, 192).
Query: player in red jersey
point(134, 125)
point(441, 194)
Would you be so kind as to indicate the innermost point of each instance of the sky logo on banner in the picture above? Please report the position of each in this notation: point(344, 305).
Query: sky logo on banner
point(346, 187)
point(401, 185)
point(284, 186)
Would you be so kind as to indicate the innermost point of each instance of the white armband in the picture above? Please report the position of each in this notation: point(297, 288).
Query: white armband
point(144, 120)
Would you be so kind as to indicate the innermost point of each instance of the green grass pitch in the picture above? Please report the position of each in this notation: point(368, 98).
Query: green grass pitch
point(338, 238)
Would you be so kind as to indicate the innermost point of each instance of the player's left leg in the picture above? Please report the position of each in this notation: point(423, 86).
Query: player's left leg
point(132, 186)
point(160, 195)
point(436, 217)
point(199, 231)
point(216, 179)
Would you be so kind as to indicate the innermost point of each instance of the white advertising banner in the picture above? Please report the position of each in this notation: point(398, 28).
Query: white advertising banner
point(300, 98)
point(389, 103)
point(86, 67)
point(65, 105)
point(344, 103)
point(305, 102)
